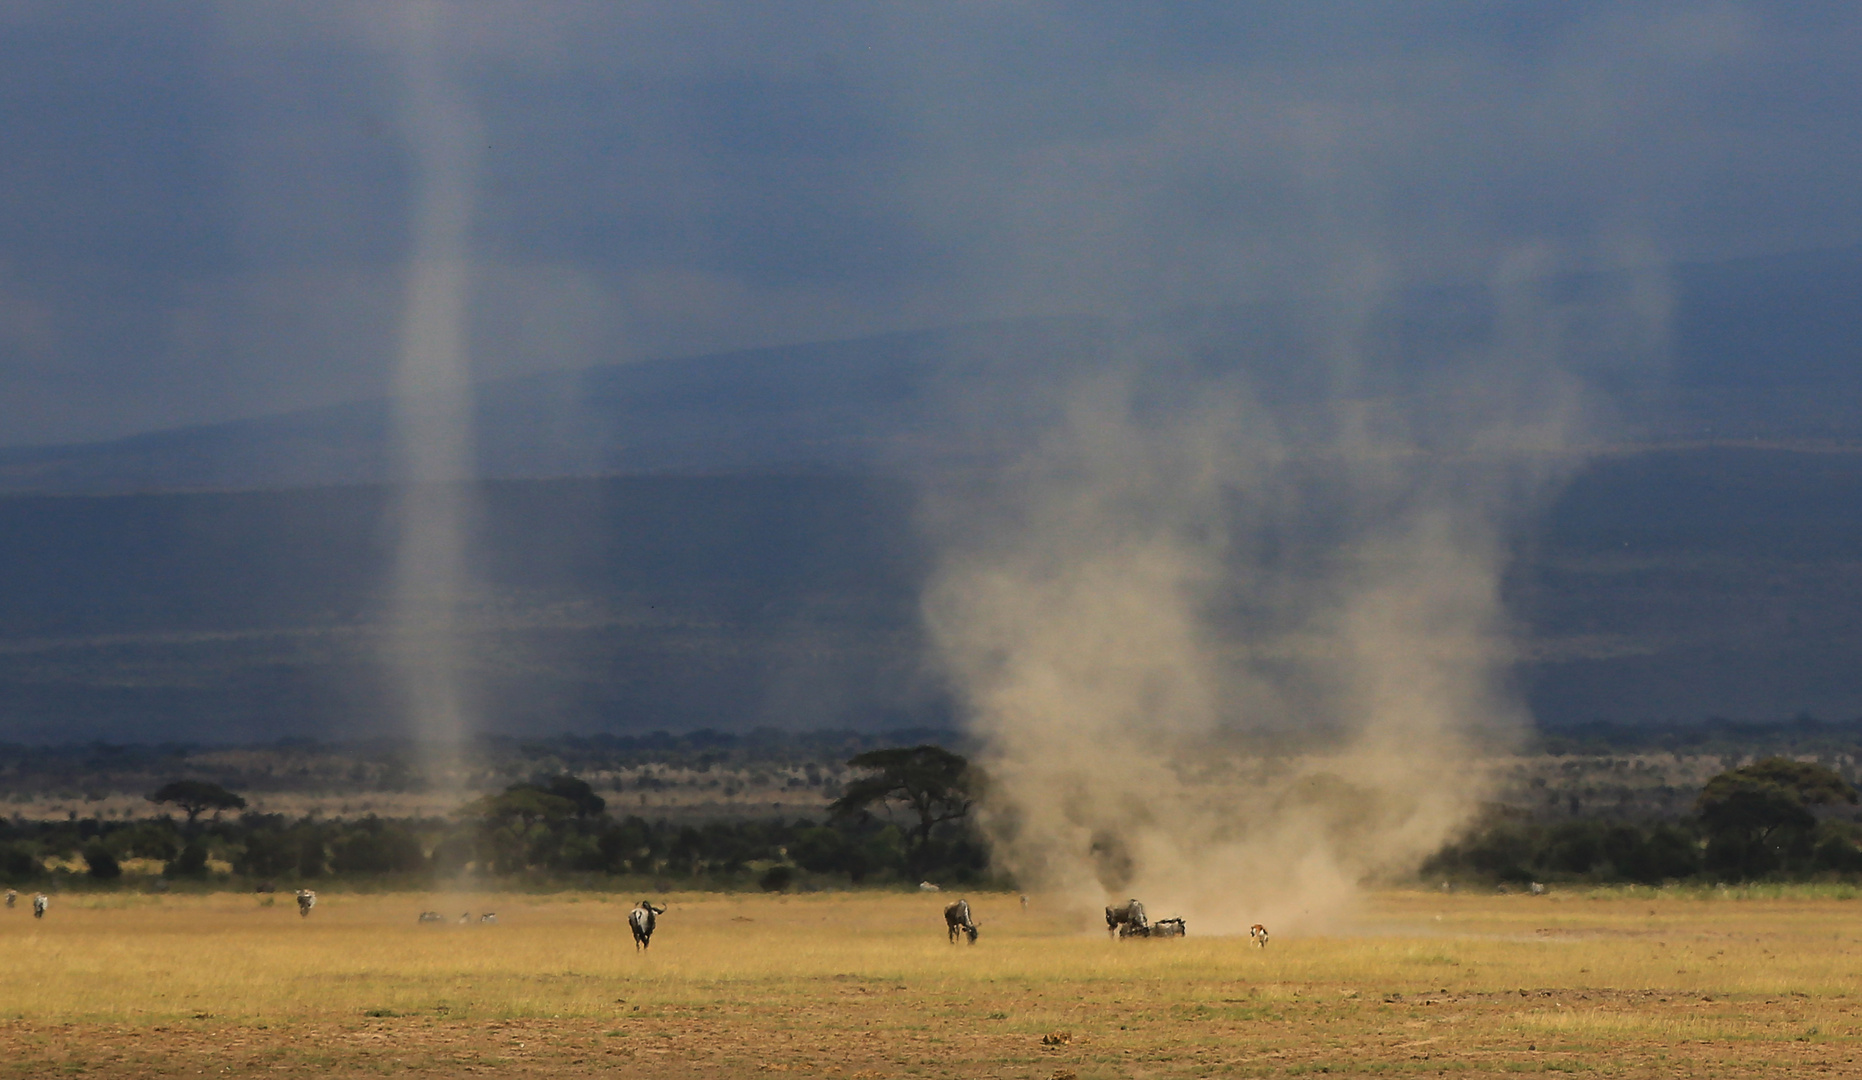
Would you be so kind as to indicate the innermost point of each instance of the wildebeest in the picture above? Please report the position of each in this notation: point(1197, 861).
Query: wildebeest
point(39, 903)
point(305, 901)
point(1259, 935)
point(488, 917)
point(431, 916)
point(1127, 920)
point(643, 918)
point(957, 921)
point(1169, 928)
point(11, 898)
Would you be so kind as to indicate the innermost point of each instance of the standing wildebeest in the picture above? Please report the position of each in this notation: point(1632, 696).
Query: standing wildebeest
point(1127, 920)
point(643, 919)
point(39, 903)
point(957, 921)
point(305, 901)
point(1259, 934)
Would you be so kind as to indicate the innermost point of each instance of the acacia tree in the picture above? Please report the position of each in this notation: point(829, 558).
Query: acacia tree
point(1758, 815)
point(196, 797)
point(520, 826)
point(929, 783)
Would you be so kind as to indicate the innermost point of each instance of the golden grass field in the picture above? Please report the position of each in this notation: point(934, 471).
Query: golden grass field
point(864, 985)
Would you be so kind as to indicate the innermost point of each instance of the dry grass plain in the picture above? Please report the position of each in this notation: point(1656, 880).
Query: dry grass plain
point(863, 985)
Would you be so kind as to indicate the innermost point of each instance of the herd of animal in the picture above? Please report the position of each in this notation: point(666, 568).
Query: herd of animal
point(40, 902)
point(1128, 920)
point(464, 917)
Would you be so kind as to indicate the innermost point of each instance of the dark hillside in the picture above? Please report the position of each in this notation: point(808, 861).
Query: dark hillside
point(1663, 586)
point(608, 604)
point(1676, 585)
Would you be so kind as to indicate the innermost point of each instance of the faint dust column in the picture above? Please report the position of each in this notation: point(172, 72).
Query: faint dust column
point(433, 402)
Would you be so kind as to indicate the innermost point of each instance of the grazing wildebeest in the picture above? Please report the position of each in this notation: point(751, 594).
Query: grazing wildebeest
point(432, 916)
point(1259, 934)
point(643, 918)
point(305, 901)
point(957, 921)
point(39, 903)
point(1127, 920)
point(1169, 928)
point(11, 898)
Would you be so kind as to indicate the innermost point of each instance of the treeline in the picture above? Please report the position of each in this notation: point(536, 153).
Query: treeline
point(905, 819)
point(269, 848)
point(1776, 819)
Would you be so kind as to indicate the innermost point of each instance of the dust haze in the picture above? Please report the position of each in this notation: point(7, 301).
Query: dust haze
point(1237, 659)
point(433, 399)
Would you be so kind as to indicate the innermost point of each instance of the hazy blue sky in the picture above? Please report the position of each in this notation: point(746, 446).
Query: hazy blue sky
point(206, 204)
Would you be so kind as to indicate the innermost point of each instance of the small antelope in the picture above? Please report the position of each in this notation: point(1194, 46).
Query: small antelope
point(1259, 934)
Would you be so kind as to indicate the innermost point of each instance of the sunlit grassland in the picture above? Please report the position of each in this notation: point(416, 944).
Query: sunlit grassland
point(1617, 981)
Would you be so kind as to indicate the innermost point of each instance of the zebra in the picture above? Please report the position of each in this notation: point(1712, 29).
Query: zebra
point(642, 919)
point(1127, 920)
point(305, 901)
point(431, 916)
point(488, 917)
point(1258, 934)
point(957, 921)
point(40, 902)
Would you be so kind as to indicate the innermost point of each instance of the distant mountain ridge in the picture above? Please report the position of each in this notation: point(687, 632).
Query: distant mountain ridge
point(1765, 349)
point(1661, 586)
